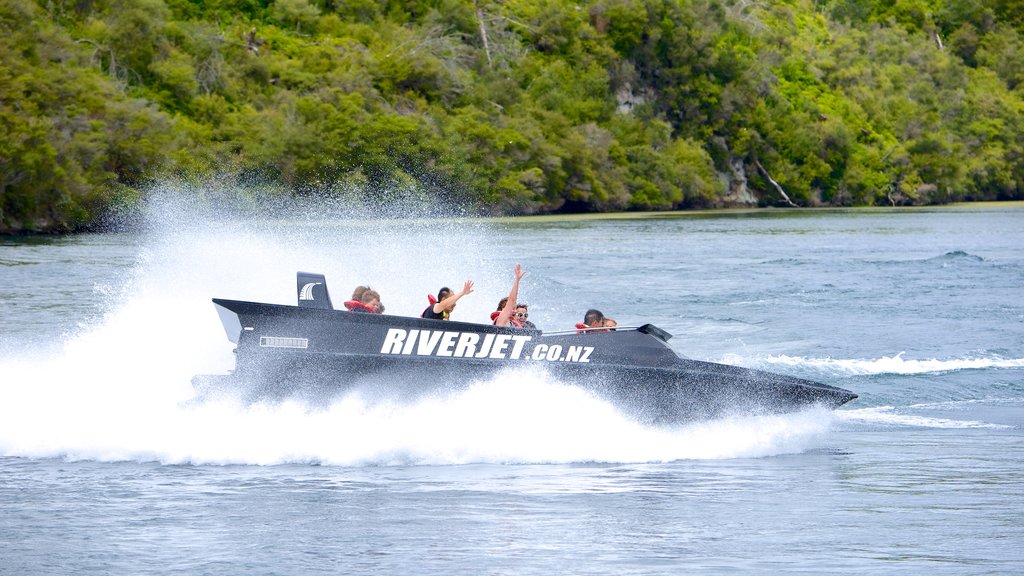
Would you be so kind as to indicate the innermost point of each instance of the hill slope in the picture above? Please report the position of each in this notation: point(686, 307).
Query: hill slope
point(514, 106)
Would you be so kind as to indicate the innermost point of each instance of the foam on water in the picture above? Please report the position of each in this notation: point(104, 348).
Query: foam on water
point(120, 389)
point(891, 416)
point(91, 404)
point(895, 364)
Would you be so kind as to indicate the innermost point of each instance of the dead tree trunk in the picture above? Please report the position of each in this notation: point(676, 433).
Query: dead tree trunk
point(483, 34)
point(778, 187)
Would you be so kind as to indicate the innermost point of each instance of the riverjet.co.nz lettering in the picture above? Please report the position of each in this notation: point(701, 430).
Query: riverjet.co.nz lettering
point(473, 345)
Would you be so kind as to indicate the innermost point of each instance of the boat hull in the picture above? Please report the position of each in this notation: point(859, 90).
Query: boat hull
point(318, 354)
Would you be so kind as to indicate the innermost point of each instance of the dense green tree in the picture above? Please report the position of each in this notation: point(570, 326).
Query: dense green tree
point(511, 106)
point(72, 141)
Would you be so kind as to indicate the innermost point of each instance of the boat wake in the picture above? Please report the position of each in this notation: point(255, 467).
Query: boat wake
point(896, 365)
point(899, 417)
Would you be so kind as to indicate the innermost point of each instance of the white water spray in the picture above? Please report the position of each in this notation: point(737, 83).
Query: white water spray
point(120, 389)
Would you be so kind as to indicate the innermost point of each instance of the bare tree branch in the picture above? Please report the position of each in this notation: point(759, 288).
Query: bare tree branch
point(483, 34)
point(777, 186)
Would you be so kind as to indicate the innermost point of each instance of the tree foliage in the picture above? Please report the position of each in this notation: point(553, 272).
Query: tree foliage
point(513, 106)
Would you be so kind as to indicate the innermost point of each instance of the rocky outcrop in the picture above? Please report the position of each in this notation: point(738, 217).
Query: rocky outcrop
point(738, 193)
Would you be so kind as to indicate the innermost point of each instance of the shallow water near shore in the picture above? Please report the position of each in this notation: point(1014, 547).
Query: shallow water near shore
point(108, 464)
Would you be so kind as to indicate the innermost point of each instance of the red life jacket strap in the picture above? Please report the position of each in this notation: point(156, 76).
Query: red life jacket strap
point(352, 305)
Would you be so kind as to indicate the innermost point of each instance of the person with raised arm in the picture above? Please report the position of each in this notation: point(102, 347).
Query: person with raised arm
point(441, 307)
point(507, 306)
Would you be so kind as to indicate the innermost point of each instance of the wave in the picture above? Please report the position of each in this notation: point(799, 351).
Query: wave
point(890, 416)
point(967, 403)
point(896, 364)
point(957, 256)
point(947, 259)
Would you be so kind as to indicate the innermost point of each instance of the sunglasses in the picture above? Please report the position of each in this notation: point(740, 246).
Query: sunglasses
point(522, 314)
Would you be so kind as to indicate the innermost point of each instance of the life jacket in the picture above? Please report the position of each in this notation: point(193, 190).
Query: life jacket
point(496, 313)
point(354, 306)
point(429, 313)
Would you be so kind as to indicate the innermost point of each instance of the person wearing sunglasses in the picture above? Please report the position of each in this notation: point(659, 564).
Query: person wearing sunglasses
point(522, 316)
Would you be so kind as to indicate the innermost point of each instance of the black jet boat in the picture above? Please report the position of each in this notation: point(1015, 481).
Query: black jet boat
point(316, 352)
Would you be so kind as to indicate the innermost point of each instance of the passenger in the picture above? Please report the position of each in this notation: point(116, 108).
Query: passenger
point(593, 318)
point(520, 318)
point(371, 300)
point(595, 321)
point(365, 299)
point(357, 294)
point(523, 315)
point(441, 307)
point(507, 305)
point(497, 312)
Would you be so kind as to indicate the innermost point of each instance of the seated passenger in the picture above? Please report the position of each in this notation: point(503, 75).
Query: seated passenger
point(357, 294)
point(497, 312)
point(595, 321)
point(507, 305)
point(365, 299)
point(441, 307)
point(522, 316)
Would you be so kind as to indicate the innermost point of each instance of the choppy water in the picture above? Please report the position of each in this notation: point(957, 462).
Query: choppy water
point(107, 466)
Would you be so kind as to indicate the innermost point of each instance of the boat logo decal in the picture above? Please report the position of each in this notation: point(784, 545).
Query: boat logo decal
point(555, 353)
point(475, 345)
point(307, 291)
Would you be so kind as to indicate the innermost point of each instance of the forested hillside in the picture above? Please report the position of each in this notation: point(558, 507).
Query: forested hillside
point(511, 106)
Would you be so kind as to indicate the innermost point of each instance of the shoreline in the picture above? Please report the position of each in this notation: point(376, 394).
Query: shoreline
point(770, 210)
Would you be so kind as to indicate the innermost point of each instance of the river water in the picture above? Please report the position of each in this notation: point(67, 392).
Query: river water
point(108, 465)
